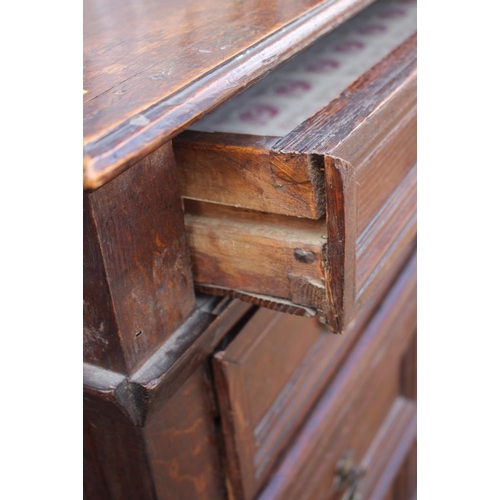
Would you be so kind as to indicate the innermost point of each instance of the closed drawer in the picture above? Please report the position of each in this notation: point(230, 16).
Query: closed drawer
point(365, 392)
point(271, 374)
point(308, 222)
point(266, 381)
point(381, 473)
point(389, 465)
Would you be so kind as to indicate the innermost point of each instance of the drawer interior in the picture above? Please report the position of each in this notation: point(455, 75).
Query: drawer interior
point(311, 222)
point(249, 153)
point(294, 92)
point(286, 263)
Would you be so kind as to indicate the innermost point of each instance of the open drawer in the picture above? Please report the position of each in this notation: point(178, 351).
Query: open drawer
point(309, 222)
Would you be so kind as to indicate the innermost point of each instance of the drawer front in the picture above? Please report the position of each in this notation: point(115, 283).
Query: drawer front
point(405, 485)
point(358, 155)
point(271, 374)
point(389, 458)
point(355, 406)
point(382, 471)
point(266, 381)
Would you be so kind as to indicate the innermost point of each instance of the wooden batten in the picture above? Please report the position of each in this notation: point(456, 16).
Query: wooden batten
point(222, 168)
point(261, 254)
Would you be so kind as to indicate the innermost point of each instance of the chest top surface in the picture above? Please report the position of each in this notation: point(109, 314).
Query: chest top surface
point(152, 67)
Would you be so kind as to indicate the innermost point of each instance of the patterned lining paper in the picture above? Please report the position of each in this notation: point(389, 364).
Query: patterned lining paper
point(298, 89)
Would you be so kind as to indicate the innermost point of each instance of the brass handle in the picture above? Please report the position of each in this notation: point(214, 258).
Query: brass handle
point(348, 477)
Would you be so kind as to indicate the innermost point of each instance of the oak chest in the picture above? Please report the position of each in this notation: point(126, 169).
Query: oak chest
point(250, 250)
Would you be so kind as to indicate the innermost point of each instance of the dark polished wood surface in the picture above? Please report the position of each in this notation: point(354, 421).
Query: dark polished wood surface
point(138, 285)
point(152, 67)
point(159, 421)
point(354, 406)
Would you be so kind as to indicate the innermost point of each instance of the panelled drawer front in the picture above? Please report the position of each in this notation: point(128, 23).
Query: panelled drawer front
point(355, 405)
point(391, 448)
point(342, 205)
point(266, 381)
point(378, 476)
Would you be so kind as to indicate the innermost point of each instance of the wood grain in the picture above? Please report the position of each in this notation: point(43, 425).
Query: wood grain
point(152, 430)
point(256, 252)
point(235, 251)
point(164, 372)
point(405, 485)
point(181, 439)
point(356, 133)
point(389, 234)
point(220, 167)
point(115, 459)
point(365, 142)
point(149, 437)
point(355, 404)
point(390, 449)
point(101, 336)
point(151, 68)
point(138, 285)
point(175, 450)
point(340, 259)
point(115, 456)
point(409, 371)
point(267, 380)
point(371, 125)
point(343, 128)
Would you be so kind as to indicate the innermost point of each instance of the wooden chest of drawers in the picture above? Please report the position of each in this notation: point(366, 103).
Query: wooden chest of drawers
point(250, 298)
